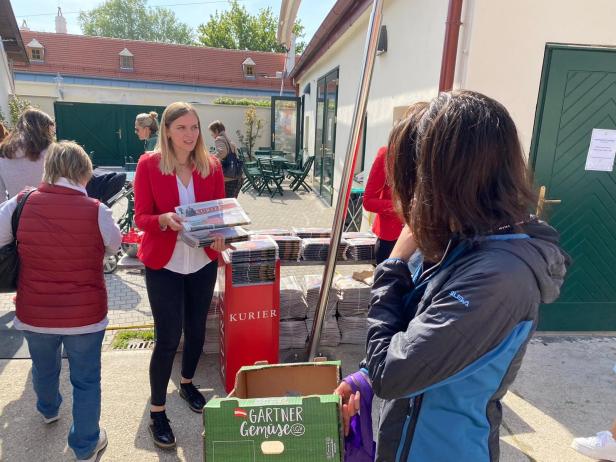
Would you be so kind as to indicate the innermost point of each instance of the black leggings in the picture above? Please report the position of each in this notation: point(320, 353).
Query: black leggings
point(177, 299)
point(383, 249)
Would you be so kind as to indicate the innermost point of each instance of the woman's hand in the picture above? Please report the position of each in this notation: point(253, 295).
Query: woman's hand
point(350, 404)
point(219, 244)
point(405, 246)
point(170, 220)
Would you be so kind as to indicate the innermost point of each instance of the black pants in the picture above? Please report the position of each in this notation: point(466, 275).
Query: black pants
point(383, 249)
point(233, 187)
point(176, 300)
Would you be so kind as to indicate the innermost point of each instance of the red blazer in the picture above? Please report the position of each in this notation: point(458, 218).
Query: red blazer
point(377, 199)
point(156, 194)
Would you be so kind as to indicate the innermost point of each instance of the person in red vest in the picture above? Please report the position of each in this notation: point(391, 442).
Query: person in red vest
point(377, 198)
point(61, 295)
point(179, 279)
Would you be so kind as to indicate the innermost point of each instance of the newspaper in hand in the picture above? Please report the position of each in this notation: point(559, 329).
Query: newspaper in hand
point(219, 213)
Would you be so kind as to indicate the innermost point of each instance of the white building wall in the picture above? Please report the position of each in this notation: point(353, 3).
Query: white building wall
point(44, 95)
point(409, 71)
point(6, 84)
point(502, 51)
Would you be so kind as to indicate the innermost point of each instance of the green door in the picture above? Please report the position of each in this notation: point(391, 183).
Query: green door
point(285, 117)
point(577, 96)
point(107, 131)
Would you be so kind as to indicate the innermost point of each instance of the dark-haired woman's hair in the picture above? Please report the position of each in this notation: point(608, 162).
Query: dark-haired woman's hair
point(216, 127)
point(31, 134)
point(458, 170)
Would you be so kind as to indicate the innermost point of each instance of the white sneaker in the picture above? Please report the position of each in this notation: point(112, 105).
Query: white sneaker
point(102, 444)
point(600, 447)
point(49, 420)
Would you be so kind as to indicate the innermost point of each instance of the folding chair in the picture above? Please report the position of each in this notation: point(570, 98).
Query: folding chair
point(299, 176)
point(271, 174)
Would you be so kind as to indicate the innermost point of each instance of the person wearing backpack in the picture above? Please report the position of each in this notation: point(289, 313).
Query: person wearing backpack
point(226, 151)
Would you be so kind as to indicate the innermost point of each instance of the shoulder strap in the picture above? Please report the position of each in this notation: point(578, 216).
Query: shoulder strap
point(17, 213)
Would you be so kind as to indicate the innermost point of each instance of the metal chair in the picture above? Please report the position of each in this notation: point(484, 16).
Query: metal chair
point(270, 174)
point(299, 176)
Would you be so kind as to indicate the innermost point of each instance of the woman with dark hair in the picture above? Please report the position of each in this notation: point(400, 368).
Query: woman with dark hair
point(444, 344)
point(226, 151)
point(146, 129)
point(22, 153)
point(179, 279)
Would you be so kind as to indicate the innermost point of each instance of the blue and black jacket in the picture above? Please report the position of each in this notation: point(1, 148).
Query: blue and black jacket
point(444, 346)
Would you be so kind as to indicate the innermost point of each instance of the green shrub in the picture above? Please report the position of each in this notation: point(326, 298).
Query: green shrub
point(242, 101)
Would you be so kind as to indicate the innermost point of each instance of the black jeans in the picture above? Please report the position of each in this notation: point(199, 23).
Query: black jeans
point(176, 300)
point(383, 249)
point(233, 187)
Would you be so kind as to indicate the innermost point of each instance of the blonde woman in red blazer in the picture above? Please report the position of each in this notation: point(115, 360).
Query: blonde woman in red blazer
point(180, 280)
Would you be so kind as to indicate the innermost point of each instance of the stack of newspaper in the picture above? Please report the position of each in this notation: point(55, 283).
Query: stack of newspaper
point(203, 221)
point(360, 246)
point(352, 309)
point(312, 287)
point(253, 262)
point(293, 334)
point(312, 232)
point(292, 300)
point(316, 249)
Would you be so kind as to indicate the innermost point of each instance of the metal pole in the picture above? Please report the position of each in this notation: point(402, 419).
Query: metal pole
point(347, 173)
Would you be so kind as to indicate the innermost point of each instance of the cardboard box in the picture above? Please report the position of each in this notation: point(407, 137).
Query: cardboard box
point(281, 412)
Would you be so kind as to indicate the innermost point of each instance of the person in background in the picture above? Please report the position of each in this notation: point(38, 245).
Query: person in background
point(146, 129)
point(226, 151)
point(4, 132)
point(602, 446)
point(22, 153)
point(445, 344)
point(377, 199)
point(62, 302)
point(179, 279)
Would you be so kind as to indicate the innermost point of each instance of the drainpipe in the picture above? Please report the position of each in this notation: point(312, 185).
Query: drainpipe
point(450, 47)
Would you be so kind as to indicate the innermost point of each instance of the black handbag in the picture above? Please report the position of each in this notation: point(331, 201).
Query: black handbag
point(231, 164)
point(9, 259)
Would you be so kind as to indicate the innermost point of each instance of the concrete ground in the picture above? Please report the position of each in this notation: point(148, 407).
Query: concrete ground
point(566, 388)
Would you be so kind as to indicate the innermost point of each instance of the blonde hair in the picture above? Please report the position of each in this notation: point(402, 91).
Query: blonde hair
point(148, 120)
point(66, 159)
point(199, 156)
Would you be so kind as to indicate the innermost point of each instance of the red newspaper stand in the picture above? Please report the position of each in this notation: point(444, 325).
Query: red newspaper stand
point(249, 322)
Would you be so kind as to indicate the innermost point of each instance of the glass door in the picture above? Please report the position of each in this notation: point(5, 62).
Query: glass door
point(285, 125)
point(325, 141)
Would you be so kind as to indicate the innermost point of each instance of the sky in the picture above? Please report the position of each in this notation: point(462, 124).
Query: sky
point(40, 14)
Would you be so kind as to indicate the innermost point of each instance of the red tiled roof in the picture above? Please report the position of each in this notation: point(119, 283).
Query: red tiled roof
point(81, 55)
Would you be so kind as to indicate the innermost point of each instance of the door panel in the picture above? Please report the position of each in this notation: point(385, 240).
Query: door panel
point(285, 125)
point(578, 94)
point(107, 130)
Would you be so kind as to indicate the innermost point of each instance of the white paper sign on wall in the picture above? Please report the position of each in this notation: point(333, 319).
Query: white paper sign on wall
point(601, 151)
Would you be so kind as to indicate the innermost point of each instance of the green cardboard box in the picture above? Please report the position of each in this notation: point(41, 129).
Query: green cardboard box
point(277, 412)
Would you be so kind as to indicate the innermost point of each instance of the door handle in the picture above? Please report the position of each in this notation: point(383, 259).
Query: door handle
point(119, 133)
point(542, 201)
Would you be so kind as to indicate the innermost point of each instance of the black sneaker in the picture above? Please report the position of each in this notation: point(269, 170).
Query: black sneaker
point(161, 430)
point(192, 396)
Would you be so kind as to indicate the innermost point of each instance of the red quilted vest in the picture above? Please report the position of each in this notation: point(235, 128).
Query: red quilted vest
point(61, 282)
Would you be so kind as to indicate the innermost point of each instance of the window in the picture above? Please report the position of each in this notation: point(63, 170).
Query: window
point(36, 51)
point(248, 66)
point(126, 60)
point(126, 63)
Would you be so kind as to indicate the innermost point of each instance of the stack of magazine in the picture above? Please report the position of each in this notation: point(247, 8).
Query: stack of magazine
point(203, 221)
point(312, 232)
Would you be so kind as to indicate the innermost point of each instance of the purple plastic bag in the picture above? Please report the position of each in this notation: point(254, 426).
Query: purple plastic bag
point(359, 445)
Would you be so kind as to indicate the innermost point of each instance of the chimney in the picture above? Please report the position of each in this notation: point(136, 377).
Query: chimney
point(60, 22)
point(24, 25)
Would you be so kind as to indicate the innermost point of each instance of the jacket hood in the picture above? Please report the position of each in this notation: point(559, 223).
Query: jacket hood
point(543, 255)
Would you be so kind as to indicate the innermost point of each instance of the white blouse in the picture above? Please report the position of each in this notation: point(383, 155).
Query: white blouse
point(185, 259)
